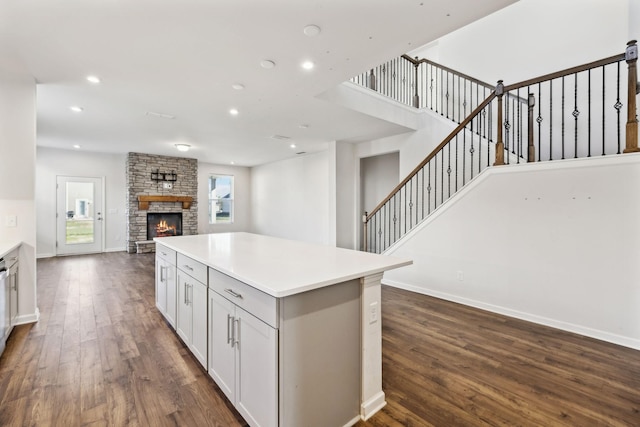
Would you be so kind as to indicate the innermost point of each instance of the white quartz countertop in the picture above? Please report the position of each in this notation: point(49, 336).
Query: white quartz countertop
point(6, 247)
point(279, 267)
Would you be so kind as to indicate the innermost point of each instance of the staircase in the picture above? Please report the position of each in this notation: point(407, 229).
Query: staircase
point(573, 113)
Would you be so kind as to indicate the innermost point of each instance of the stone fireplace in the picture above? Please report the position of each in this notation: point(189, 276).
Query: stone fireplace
point(160, 186)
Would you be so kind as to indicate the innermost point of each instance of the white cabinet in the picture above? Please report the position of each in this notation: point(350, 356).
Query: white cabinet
point(166, 283)
point(191, 323)
point(12, 277)
point(243, 360)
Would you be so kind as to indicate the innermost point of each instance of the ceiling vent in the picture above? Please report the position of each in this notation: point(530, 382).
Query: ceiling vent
point(159, 115)
point(281, 137)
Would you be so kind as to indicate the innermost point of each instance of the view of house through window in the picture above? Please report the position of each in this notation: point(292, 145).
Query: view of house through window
point(220, 199)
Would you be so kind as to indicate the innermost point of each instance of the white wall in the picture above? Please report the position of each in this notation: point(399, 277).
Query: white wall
point(290, 199)
point(52, 162)
point(379, 175)
point(634, 20)
point(17, 166)
point(242, 198)
point(347, 207)
point(533, 37)
point(554, 243)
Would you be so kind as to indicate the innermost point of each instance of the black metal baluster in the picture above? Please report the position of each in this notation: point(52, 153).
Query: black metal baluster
point(457, 162)
point(589, 113)
point(422, 204)
point(449, 169)
point(441, 92)
point(435, 182)
point(410, 203)
point(550, 120)
point(575, 113)
point(539, 119)
point(447, 95)
point(464, 157)
point(519, 128)
point(471, 149)
point(441, 176)
point(429, 190)
point(618, 106)
point(507, 130)
point(562, 108)
point(603, 110)
point(431, 88)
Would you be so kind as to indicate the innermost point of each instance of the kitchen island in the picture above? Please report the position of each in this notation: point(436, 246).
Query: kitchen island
point(290, 331)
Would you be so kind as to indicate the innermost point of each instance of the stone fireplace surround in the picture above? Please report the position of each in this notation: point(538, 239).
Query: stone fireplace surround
point(139, 168)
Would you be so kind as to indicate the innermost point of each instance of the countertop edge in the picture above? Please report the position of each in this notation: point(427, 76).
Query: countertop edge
point(4, 250)
point(298, 289)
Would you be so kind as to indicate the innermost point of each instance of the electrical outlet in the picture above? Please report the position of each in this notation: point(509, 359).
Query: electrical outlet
point(167, 185)
point(460, 276)
point(373, 312)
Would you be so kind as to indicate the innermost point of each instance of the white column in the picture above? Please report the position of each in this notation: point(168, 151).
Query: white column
point(372, 397)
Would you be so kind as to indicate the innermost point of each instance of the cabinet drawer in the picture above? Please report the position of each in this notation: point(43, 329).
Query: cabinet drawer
point(165, 253)
point(261, 305)
point(193, 268)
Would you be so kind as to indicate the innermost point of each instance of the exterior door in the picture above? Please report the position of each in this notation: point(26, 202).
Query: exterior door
point(79, 215)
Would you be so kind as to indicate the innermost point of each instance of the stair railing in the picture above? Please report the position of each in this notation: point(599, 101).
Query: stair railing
point(558, 121)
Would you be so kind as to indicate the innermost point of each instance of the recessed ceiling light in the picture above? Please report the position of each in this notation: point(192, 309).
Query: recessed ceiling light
point(304, 126)
point(159, 115)
point(268, 64)
point(93, 79)
point(183, 147)
point(233, 112)
point(311, 30)
point(232, 162)
point(237, 86)
point(77, 146)
point(76, 109)
point(293, 146)
point(308, 65)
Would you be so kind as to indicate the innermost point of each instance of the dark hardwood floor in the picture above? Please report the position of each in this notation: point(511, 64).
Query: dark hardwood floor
point(102, 355)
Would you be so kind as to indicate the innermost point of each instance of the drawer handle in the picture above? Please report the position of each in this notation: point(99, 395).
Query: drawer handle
point(232, 292)
point(188, 268)
point(163, 253)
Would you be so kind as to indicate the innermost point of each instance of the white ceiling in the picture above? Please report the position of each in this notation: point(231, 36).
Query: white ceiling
point(180, 57)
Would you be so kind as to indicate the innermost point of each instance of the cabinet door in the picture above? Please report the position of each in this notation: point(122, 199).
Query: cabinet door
point(161, 285)
point(13, 280)
point(185, 312)
point(257, 369)
point(198, 300)
point(172, 290)
point(222, 366)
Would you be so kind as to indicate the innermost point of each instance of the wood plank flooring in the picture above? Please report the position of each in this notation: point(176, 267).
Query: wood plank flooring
point(102, 355)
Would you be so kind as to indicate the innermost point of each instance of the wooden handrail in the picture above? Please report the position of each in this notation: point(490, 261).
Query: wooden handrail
point(434, 152)
point(458, 73)
point(567, 72)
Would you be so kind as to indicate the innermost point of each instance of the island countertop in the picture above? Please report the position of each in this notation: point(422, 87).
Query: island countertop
point(6, 247)
point(279, 267)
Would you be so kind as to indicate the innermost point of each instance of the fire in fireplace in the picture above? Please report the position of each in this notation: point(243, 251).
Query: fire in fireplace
point(163, 224)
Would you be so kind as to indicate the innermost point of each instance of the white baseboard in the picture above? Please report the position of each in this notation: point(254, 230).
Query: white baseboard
point(118, 249)
point(373, 405)
point(23, 319)
point(529, 317)
point(38, 256)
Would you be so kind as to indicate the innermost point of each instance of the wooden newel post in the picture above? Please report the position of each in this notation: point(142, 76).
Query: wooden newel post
point(499, 144)
point(532, 149)
point(631, 56)
point(372, 80)
point(416, 97)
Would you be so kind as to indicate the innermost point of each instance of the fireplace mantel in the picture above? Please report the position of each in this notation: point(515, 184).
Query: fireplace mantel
point(143, 201)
